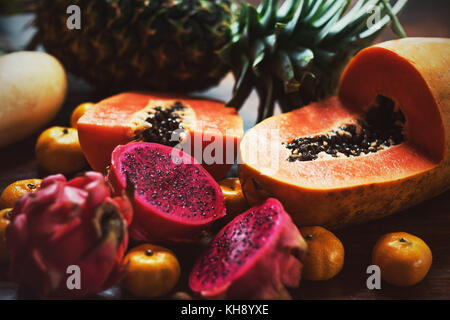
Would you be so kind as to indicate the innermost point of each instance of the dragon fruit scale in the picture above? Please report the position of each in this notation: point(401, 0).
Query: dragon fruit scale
point(64, 224)
point(255, 256)
point(174, 197)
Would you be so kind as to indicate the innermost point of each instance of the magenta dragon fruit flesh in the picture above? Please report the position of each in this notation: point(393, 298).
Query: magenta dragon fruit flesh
point(175, 198)
point(68, 224)
point(255, 256)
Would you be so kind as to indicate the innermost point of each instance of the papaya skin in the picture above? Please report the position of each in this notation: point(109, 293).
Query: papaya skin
point(414, 73)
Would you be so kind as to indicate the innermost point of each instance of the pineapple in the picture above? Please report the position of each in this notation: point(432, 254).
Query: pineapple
point(291, 55)
point(166, 45)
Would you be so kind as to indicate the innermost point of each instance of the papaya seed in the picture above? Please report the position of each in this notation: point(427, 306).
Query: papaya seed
point(381, 128)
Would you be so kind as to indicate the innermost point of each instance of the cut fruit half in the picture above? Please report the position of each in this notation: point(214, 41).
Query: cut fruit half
point(255, 256)
point(174, 198)
point(381, 146)
point(205, 129)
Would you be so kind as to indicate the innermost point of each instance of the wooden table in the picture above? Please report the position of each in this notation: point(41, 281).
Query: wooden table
point(429, 220)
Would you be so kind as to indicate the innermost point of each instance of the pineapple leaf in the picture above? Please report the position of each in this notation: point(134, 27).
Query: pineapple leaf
point(267, 104)
point(242, 87)
point(288, 9)
point(292, 24)
point(388, 14)
point(332, 13)
point(271, 42)
point(268, 20)
point(263, 7)
point(296, 54)
point(243, 17)
point(253, 27)
point(317, 5)
point(258, 54)
point(302, 58)
point(284, 70)
point(245, 68)
point(396, 26)
point(257, 50)
point(347, 18)
point(322, 30)
point(385, 20)
point(240, 95)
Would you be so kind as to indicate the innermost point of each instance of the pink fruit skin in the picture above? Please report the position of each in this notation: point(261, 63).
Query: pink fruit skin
point(264, 275)
point(68, 223)
point(149, 222)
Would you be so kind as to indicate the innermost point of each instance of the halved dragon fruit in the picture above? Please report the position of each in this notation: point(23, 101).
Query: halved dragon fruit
point(253, 257)
point(175, 198)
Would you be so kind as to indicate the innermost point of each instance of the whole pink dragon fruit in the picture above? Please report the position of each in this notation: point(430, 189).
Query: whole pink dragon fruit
point(253, 257)
point(175, 198)
point(68, 223)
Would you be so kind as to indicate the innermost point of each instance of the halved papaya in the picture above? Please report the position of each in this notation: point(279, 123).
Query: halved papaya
point(380, 146)
point(200, 125)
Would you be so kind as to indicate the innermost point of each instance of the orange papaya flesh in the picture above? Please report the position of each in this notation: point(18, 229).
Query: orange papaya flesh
point(339, 191)
point(109, 124)
point(407, 71)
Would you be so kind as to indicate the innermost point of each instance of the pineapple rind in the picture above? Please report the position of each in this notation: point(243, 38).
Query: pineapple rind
point(166, 45)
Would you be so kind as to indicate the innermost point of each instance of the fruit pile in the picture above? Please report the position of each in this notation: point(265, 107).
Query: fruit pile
point(147, 169)
point(164, 196)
